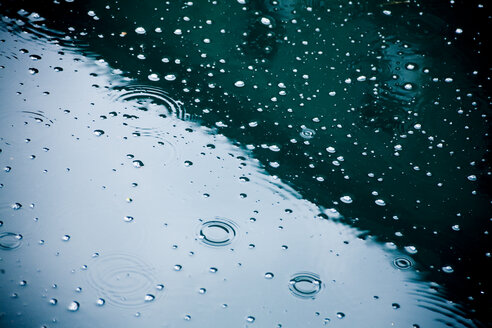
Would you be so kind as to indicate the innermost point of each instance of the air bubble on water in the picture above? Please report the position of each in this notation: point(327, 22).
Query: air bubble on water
point(153, 77)
point(346, 199)
point(380, 202)
point(140, 30)
point(149, 298)
point(448, 269)
point(73, 306)
point(170, 77)
point(98, 133)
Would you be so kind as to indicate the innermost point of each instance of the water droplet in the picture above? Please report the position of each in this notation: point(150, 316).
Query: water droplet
point(458, 31)
point(100, 302)
point(128, 218)
point(140, 30)
point(269, 275)
point(340, 315)
point(149, 298)
point(380, 202)
point(408, 86)
point(153, 77)
point(58, 69)
point(250, 319)
point(472, 177)
point(66, 238)
point(213, 270)
point(305, 285)
point(170, 77)
point(346, 199)
point(188, 163)
point(395, 306)
point(218, 232)
point(33, 71)
point(16, 206)
point(73, 306)
point(187, 317)
point(202, 291)
point(411, 249)
point(265, 21)
point(53, 301)
point(137, 163)
point(98, 133)
point(330, 149)
point(448, 269)
point(178, 267)
point(239, 84)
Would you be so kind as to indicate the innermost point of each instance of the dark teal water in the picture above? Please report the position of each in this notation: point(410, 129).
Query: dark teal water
point(244, 163)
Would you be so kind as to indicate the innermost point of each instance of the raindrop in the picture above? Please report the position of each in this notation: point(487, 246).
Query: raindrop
point(346, 199)
point(411, 249)
point(16, 206)
point(448, 269)
point(137, 163)
point(53, 301)
point(265, 21)
point(402, 263)
point(202, 291)
point(380, 202)
point(66, 238)
point(73, 306)
point(153, 77)
point(239, 84)
point(307, 133)
point(188, 163)
point(33, 71)
point(250, 319)
point(472, 177)
point(149, 298)
point(140, 30)
point(100, 302)
point(128, 218)
point(269, 275)
point(170, 77)
point(98, 133)
point(178, 267)
point(340, 315)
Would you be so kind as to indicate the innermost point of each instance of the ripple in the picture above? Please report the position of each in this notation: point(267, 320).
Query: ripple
point(402, 263)
point(122, 279)
point(307, 133)
point(217, 232)
point(10, 240)
point(305, 285)
point(144, 96)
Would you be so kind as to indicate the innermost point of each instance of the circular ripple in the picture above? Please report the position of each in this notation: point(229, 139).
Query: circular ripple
point(145, 96)
point(402, 263)
point(122, 279)
point(217, 232)
point(10, 240)
point(305, 285)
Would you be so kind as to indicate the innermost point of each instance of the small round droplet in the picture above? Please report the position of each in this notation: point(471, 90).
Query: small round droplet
point(340, 315)
point(380, 202)
point(448, 269)
point(178, 267)
point(53, 301)
point(188, 163)
point(100, 302)
point(140, 30)
point(33, 71)
point(395, 306)
point(73, 306)
point(472, 177)
point(265, 21)
point(170, 77)
point(250, 319)
point(411, 249)
point(66, 238)
point(213, 270)
point(346, 199)
point(137, 163)
point(16, 206)
point(98, 133)
point(202, 291)
point(128, 218)
point(239, 84)
point(153, 77)
point(269, 275)
point(149, 298)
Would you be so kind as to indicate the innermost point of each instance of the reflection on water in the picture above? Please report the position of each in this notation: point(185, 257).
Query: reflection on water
point(301, 186)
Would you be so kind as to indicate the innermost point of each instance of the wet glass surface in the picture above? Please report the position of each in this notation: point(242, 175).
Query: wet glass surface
point(285, 163)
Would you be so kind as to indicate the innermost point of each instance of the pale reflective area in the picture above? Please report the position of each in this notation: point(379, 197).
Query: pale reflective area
point(241, 164)
point(116, 211)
